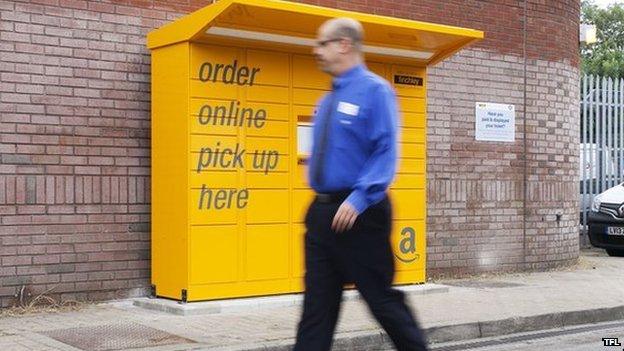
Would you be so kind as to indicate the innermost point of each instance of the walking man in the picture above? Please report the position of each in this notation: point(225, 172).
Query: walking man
point(348, 225)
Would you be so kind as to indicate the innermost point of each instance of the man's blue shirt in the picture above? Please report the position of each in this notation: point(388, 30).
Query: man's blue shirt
point(361, 150)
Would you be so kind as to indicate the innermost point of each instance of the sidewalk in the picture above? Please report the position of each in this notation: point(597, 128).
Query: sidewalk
point(590, 292)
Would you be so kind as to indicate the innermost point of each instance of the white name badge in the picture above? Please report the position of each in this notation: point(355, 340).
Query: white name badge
point(348, 109)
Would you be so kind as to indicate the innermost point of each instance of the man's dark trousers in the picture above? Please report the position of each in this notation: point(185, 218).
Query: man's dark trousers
point(363, 256)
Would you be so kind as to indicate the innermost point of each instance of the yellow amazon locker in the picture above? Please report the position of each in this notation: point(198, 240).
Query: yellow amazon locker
point(234, 87)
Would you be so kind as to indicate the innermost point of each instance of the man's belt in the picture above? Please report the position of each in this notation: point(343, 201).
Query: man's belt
point(330, 198)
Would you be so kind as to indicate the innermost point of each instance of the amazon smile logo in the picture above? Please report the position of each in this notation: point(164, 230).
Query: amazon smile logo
point(407, 246)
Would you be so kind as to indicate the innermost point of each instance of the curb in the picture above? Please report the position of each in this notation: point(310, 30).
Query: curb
point(376, 339)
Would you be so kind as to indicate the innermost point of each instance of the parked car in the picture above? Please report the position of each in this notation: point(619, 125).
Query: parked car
point(597, 168)
point(606, 221)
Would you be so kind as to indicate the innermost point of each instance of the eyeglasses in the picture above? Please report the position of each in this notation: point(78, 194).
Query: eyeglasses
point(323, 43)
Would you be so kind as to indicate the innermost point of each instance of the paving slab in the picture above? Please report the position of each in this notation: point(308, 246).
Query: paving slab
point(590, 292)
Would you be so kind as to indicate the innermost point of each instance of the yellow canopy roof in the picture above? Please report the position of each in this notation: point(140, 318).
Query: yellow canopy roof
point(294, 24)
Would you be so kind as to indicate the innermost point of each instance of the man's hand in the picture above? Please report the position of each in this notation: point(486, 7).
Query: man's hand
point(344, 218)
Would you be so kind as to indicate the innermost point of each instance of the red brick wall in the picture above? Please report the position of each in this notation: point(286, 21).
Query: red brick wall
point(74, 140)
point(476, 190)
point(74, 171)
point(552, 25)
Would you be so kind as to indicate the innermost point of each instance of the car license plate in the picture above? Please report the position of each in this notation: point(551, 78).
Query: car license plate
point(615, 231)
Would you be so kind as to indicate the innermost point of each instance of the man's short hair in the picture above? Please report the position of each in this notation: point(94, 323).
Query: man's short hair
point(345, 27)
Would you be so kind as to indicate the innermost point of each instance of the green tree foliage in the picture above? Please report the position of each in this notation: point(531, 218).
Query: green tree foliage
point(606, 56)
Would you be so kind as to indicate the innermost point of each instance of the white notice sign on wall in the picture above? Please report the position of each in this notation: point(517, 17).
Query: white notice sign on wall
point(495, 122)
